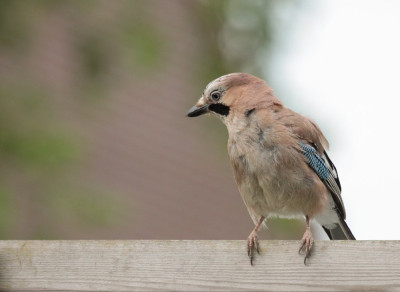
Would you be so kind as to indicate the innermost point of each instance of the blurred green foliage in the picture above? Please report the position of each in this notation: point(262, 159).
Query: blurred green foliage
point(239, 35)
point(37, 149)
point(142, 38)
point(86, 205)
point(6, 207)
point(93, 56)
point(28, 136)
point(14, 31)
point(146, 52)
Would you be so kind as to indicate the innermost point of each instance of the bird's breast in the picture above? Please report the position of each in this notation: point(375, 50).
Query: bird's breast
point(267, 174)
point(255, 171)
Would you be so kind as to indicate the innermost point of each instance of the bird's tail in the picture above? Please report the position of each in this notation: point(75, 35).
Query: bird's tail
point(340, 232)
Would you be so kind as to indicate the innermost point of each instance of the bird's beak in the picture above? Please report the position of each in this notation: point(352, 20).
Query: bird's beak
point(196, 111)
point(199, 109)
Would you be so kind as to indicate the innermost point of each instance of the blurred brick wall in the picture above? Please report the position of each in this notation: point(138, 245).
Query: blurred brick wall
point(157, 174)
point(170, 174)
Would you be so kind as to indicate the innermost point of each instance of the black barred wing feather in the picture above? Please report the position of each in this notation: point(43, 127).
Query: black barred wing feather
point(326, 171)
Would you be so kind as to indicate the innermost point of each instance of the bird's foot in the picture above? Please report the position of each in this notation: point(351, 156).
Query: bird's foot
point(306, 244)
point(252, 245)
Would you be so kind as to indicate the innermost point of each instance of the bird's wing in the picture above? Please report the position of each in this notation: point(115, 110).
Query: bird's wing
point(326, 171)
point(313, 145)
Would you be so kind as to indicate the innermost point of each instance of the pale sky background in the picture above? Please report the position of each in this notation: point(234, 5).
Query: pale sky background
point(339, 64)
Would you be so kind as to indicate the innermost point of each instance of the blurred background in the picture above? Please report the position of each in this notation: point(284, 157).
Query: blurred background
point(94, 142)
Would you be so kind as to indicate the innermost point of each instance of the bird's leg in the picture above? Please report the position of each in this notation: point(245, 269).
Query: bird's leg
point(252, 241)
point(307, 240)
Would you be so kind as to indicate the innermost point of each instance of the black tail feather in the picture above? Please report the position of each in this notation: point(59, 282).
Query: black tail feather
point(340, 232)
point(328, 232)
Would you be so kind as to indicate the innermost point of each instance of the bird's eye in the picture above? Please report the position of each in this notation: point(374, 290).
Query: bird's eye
point(216, 96)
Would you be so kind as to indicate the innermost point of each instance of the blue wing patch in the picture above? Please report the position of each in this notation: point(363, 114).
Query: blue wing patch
point(326, 171)
point(315, 161)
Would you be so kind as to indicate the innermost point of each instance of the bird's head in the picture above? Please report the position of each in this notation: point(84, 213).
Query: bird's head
point(235, 92)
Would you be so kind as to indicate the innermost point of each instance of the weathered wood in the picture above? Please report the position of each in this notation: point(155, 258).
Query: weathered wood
point(197, 265)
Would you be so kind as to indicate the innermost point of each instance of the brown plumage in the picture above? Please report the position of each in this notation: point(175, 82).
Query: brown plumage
point(278, 157)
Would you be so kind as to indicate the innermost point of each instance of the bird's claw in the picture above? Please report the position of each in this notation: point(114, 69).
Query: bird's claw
point(306, 244)
point(252, 244)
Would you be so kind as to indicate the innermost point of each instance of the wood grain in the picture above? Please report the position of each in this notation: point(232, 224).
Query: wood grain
point(198, 266)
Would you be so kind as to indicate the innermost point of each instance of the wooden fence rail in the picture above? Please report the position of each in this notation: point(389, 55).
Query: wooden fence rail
point(142, 265)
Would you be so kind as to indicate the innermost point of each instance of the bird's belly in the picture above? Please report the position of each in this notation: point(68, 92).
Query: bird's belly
point(273, 181)
point(264, 199)
point(263, 182)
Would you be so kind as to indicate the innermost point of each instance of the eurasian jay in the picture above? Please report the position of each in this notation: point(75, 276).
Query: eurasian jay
point(278, 157)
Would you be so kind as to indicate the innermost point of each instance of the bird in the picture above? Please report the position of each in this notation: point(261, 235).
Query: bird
point(279, 159)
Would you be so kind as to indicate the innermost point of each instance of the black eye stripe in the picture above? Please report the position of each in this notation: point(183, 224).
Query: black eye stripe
point(219, 108)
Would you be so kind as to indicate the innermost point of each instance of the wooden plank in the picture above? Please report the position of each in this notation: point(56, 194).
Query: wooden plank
point(197, 266)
